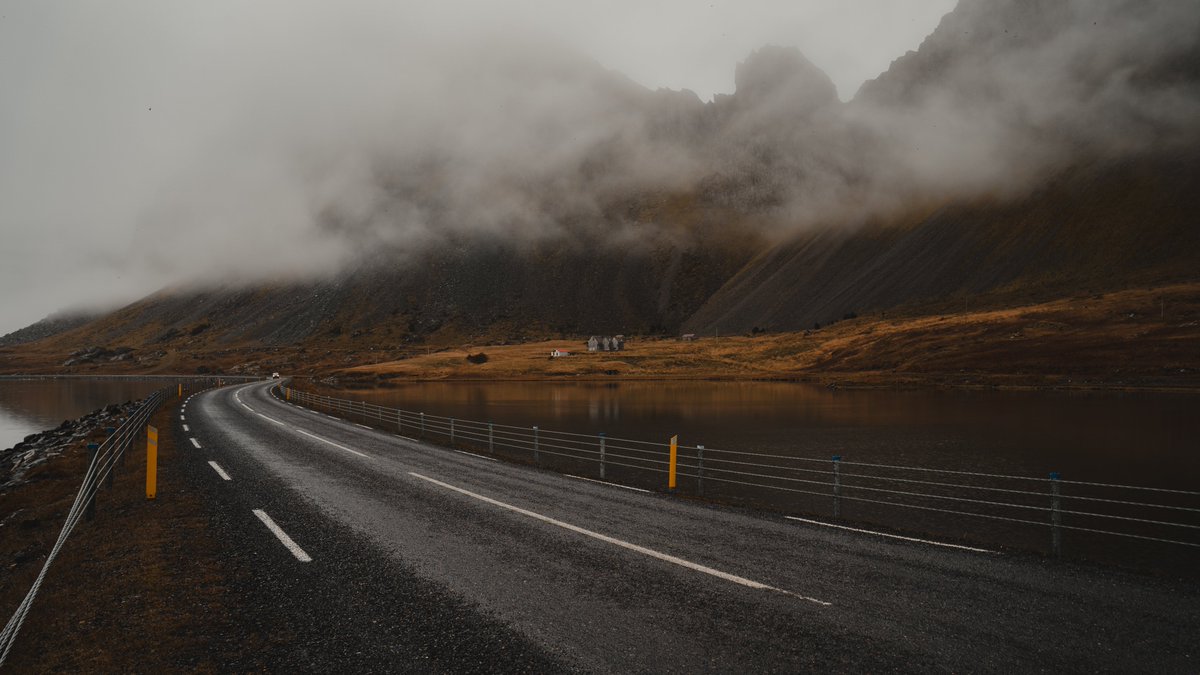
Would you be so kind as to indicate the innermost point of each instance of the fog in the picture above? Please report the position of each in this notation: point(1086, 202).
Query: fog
point(144, 144)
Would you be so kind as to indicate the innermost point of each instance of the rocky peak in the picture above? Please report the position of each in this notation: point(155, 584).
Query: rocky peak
point(782, 76)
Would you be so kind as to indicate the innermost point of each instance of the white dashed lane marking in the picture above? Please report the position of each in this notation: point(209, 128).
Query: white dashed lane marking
point(336, 445)
point(220, 472)
point(282, 536)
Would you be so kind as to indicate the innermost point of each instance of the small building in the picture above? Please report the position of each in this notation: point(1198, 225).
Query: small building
point(606, 343)
point(558, 353)
point(688, 337)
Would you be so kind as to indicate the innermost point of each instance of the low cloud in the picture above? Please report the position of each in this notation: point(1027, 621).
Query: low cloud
point(289, 141)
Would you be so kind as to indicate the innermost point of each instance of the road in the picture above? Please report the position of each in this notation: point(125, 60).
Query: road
point(381, 552)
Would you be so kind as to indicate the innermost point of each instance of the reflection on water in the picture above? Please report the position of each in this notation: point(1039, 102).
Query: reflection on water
point(30, 406)
point(1144, 438)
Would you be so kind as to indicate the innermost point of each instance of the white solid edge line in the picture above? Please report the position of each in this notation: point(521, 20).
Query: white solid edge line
point(220, 472)
point(749, 583)
point(604, 482)
point(282, 536)
point(471, 454)
point(185, 428)
point(194, 442)
point(893, 536)
point(336, 445)
point(364, 426)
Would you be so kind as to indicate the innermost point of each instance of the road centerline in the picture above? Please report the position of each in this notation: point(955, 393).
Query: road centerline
point(220, 472)
point(282, 536)
point(336, 445)
point(195, 442)
point(749, 583)
point(270, 419)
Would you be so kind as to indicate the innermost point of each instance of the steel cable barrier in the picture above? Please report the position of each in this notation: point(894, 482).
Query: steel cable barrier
point(830, 486)
point(103, 460)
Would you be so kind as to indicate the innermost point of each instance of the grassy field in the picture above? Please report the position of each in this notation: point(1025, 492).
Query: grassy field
point(1140, 338)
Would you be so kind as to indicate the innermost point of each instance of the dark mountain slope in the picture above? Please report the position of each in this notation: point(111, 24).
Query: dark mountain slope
point(1135, 223)
point(487, 288)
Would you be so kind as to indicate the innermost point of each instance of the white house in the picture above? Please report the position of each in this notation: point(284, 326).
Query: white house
point(558, 353)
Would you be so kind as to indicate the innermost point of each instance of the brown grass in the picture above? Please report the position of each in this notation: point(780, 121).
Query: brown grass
point(126, 592)
point(1135, 338)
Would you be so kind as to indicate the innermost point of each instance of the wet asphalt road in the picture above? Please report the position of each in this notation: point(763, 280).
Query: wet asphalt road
point(424, 558)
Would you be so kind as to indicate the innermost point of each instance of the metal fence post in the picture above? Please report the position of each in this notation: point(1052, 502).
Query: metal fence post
point(92, 449)
point(399, 421)
point(837, 486)
point(451, 431)
point(700, 470)
point(1055, 514)
point(602, 454)
point(422, 425)
point(535, 445)
point(491, 443)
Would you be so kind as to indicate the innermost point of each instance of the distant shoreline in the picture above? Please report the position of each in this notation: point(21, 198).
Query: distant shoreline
point(1141, 340)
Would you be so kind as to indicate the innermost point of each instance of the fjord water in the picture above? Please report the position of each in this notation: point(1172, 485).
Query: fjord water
point(1143, 438)
point(30, 406)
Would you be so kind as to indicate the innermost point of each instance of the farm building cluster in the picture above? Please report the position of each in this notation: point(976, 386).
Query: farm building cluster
point(605, 343)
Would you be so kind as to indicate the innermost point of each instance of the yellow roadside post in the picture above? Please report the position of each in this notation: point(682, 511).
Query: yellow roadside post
point(151, 462)
point(180, 390)
point(671, 471)
point(288, 392)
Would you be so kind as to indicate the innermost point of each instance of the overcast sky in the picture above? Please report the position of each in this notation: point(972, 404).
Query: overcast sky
point(105, 106)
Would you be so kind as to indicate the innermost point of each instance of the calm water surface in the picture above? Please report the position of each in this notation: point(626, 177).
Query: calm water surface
point(1151, 439)
point(1148, 438)
point(30, 406)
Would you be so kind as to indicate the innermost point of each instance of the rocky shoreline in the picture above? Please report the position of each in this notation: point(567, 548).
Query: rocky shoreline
point(37, 449)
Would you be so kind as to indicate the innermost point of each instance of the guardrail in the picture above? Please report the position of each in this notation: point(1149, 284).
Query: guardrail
point(104, 457)
point(811, 485)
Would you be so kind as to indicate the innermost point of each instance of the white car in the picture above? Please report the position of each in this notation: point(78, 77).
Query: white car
point(274, 376)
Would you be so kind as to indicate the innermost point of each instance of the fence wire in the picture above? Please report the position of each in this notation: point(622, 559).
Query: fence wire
point(973, 494)
point(101, 465)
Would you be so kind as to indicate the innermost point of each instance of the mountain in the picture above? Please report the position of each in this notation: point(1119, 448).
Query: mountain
point(51, 325)
point(1028, 150)
point(1089, 230)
